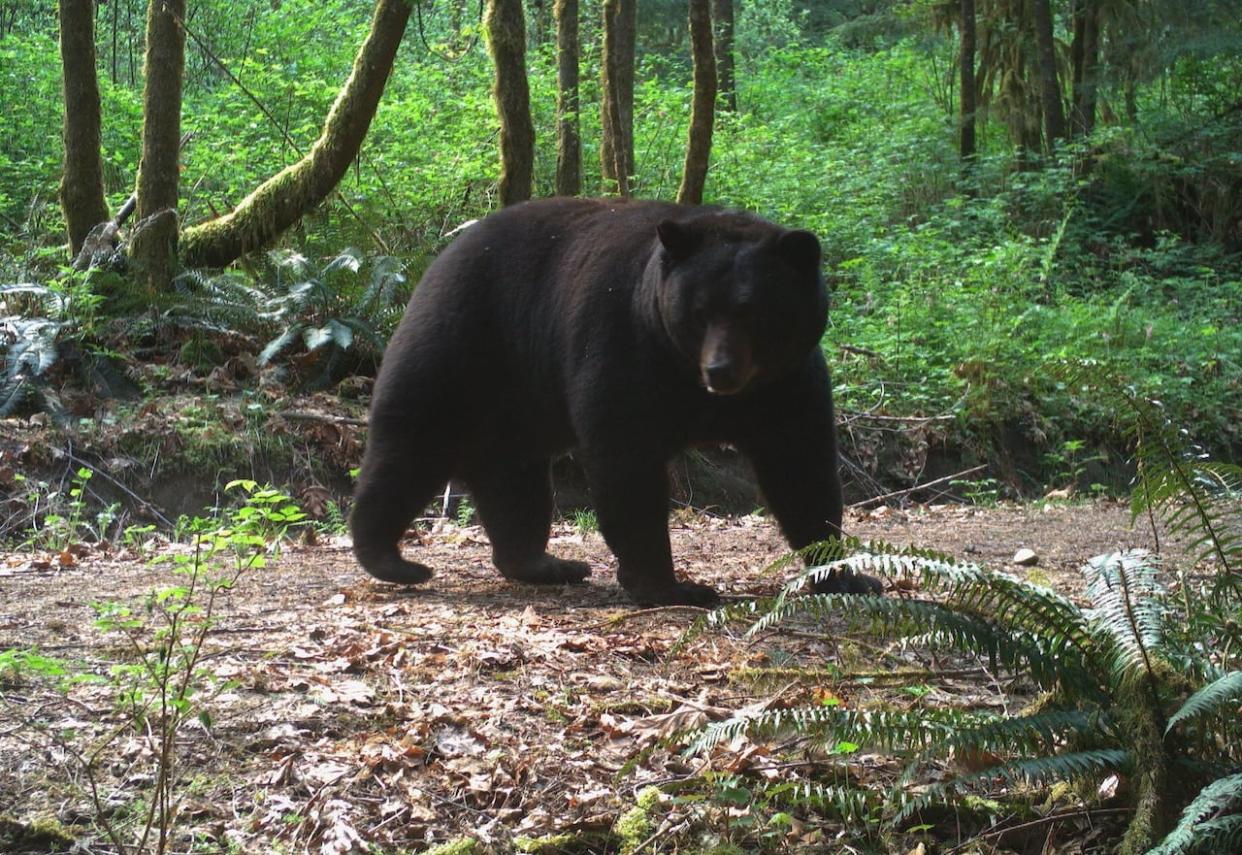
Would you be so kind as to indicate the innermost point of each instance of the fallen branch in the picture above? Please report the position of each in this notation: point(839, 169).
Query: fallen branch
point(875, 500)
point(142, 503)
point(307, 416)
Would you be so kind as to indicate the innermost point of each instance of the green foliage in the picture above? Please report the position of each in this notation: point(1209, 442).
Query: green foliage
point(331, 318)
point(953, 288)
point(39, 324)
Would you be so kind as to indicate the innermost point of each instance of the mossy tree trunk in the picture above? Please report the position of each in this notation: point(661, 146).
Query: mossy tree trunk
point(1084, 65)
point(154, 244)
point(1049, 87)
point(703, 107)
point(616, 150)
point(292, 193)
point(81, 183)
point(722, 18)
point(568, 135)
point(966, 67)
point(506, 40)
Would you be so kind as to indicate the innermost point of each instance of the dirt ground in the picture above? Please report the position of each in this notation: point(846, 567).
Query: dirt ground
point(350, 714)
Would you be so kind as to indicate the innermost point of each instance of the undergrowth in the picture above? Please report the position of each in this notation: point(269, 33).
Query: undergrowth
point(1142, 681)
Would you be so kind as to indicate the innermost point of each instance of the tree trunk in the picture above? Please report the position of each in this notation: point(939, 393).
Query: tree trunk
point(81, 183)
point(617, 95)
point(703, 109)
point(568, 136)
point(154, 244)
point(506, 39)
point(1050, 89)
point(292, 193)
point(1090, 69)
point(722, 16)
point(966, 64)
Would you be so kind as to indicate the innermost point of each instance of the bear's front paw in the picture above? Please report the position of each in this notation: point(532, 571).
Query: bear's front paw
point(848, 583)
point(679, 594)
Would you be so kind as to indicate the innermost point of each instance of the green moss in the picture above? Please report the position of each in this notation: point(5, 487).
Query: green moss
point(560, 844)
point(43, 834)
point(460, 846)
point(635, 825)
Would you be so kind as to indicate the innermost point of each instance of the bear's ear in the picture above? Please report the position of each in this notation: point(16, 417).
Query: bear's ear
point(800, 248)
point(677, 238)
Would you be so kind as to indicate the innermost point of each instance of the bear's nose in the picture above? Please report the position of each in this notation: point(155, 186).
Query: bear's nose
point(722, 378)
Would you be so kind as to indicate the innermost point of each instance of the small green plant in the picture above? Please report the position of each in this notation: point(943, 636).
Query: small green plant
point(162, 686)
point(59, 518)
point(1069, 462)
point(465, 512)
point(585, 521)
point(984, 492)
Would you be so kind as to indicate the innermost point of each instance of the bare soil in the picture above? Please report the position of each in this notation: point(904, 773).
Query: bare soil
point(349, 713)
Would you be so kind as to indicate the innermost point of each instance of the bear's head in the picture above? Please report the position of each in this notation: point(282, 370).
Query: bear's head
point(740, 299)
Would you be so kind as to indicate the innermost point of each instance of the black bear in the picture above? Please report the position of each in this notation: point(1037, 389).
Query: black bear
point(625, 331)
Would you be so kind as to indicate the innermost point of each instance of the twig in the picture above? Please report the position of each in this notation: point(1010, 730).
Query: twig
point(625, 616)
point(1043, 820)
point(142, 503)
point(306, 416)
point(850, 415)
point(875, 500)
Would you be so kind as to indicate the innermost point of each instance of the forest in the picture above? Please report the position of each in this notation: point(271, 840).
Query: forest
point(212, 217)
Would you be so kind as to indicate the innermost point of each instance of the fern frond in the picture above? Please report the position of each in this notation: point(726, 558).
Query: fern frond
point(901, 731)
point(1036, 770)
point(1200, 821)
point(851, 804)
point(1129, 609)
point(1000, 597)
point(1225, 691)
point(937, 624)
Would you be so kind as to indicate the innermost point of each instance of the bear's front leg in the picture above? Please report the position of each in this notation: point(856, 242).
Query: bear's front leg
point(630, 492)
point(795, 462)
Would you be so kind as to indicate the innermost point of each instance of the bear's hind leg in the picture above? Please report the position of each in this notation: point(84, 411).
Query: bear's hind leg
point(514, 501)
point(400, 475)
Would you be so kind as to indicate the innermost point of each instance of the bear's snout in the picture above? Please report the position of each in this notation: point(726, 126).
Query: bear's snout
point(725, 364)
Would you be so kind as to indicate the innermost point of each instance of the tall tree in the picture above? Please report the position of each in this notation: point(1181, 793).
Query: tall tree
point(289, 195)
point(722, 17)
point(1084, 65)
point(505, 24)
point(616, 148)
point(966, 65)
point(568, 137)
point(154, 244)
point(81, 184)
point(703, 108)
point(1049, 87)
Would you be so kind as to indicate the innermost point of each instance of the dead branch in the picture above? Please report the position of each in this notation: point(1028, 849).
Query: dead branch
point(875, 500)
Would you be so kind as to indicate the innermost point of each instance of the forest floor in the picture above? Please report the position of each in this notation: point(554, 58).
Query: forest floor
point(347, 713)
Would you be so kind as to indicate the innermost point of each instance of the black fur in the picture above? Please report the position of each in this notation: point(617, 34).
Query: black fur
point(626, 331)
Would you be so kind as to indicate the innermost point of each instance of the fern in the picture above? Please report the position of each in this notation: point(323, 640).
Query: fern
point(1037, 770)
point(1225, 691)
point(1129, 610)
point(1196, 829)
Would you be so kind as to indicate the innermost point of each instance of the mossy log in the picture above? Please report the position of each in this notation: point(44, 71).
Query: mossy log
point(295, 191)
